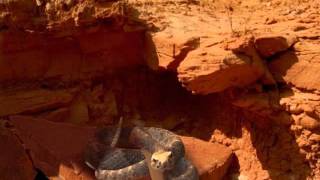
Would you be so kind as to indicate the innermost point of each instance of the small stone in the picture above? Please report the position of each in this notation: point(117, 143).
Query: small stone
point(303, 143)
point(315, 137)
point(243, 177)
point(306, 108)
point(315, 147)
point(39, 2)
point(234, 146)
point(309, 156)
point(270, 21)
point(49, 9)
point(309, 122)
point(307, 133)
point(296, 118)
point(295, 109)
point(299, 28)
point(70, 3)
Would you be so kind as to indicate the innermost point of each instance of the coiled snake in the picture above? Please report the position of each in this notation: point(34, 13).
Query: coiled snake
point(127, 160)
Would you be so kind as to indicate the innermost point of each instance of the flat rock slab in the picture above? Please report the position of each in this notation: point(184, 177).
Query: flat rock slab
point(269, 45)
point(211, 159)
point(31, 100)
point(15, 164)
point(57, 149)
point(299, 67)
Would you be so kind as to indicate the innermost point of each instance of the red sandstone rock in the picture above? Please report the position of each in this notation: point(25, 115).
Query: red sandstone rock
point(52, 42)
point(213, 69)
point(210, 68)
point(258, 102)
point(53, 14)
point(211, 160)
point(307, 121)
point(245, 46)
point(15, 163)
point(171, 50)
point(273, 44)
point(59, 115)
point(32, 100)
point(79, 57)
point(56, 148)
point(299, 67)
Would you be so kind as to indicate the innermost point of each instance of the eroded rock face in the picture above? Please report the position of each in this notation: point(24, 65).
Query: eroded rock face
point(304, 108)
point(207, 46)
point(205, 66)
point(67, 40)
point(172, 50)
point(82, 56)
point(299, 67)
point(16, 101)
point(283, 55)
point(41, 15)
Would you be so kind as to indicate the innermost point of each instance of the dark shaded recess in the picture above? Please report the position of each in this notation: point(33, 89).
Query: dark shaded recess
point(40, 175)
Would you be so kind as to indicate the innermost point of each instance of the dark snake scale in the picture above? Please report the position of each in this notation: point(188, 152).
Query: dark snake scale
point(127, 160)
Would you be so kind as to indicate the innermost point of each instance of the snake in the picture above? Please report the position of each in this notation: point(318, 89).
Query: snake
point(117, 154)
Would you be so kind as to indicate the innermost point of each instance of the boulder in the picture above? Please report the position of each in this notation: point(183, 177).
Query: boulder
point(15, 163)
point(268, 45)
point(307, 121)
point(55, 148)
point(211, 159)
point(211, 69)
point(299, 67)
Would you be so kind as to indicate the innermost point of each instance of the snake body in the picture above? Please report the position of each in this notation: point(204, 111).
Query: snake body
point(128, 162)
point(122, 164)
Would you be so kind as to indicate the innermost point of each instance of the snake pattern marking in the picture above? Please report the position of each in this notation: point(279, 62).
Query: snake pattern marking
point(117, 163)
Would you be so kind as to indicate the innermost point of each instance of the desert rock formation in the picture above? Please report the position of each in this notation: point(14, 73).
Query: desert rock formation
point(237, 79)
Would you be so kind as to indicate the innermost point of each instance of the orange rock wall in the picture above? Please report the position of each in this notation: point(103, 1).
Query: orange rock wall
point(259, 95)
point(35, 56)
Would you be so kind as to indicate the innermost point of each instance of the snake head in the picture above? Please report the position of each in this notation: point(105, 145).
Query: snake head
point(162, 160)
